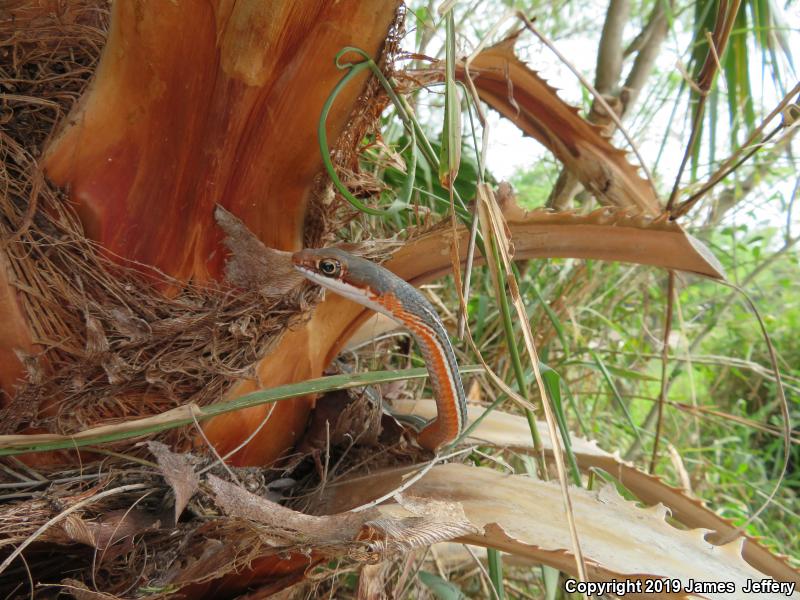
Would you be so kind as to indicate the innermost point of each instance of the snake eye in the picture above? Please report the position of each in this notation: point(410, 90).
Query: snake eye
point(330, 267)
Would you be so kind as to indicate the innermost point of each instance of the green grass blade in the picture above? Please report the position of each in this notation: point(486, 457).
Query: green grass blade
point(713, 107)
point(496, 572)
point(552, 381)
point(441, 588)
point(450, 156)
point(553, 317)
point(574, 406)
point(550, 576)
point(268, 396)
point(618, 371)
point(609, 479)
point(615, 393)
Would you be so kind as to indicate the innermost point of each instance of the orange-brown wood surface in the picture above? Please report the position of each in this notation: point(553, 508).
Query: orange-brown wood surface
point(195, 103)
point(294, 359)
point(14, 334)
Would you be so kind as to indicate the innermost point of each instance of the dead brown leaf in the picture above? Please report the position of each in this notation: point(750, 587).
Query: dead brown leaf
point(422, 523)
point(524, 516)
point(517, 92)
point(252, 265)
point(505, 430)
point(179, 472)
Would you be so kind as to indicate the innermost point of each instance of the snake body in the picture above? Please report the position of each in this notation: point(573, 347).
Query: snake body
point(378, 289)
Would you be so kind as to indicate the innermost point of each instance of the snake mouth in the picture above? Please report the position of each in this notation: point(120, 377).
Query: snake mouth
point(303, 260)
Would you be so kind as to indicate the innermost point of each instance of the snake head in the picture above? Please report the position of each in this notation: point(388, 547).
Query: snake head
point(351, 276)
point(320, 264)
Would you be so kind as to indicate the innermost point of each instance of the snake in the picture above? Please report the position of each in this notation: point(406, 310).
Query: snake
point(376, 288)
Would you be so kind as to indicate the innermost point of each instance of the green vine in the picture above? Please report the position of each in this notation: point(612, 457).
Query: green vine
point(354, 69)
